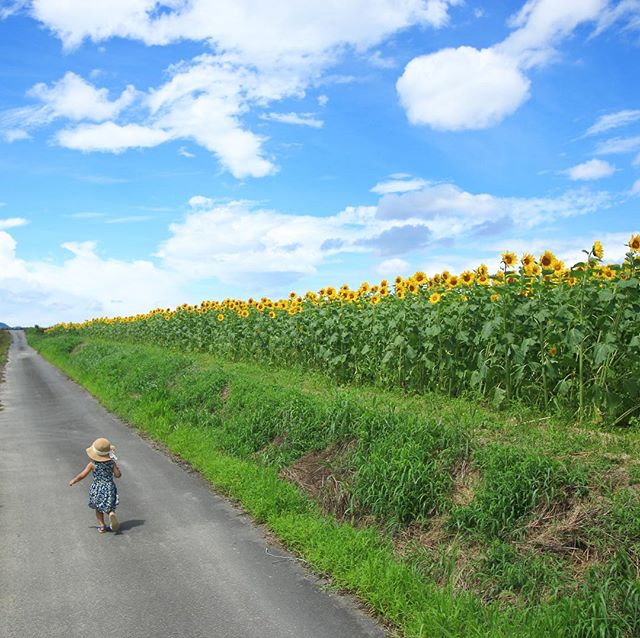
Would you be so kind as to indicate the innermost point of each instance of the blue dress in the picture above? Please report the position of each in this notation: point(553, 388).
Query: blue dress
point(103, 493)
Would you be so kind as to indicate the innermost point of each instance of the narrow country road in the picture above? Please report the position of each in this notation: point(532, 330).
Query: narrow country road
point(185, 565)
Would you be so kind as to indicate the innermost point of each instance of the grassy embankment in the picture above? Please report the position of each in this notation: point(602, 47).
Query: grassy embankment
point(446, 518)
point(5, 342)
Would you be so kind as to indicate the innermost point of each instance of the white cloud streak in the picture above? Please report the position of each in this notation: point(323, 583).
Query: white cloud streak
point(12, 222)
point(109, 137)
point(403, 185)
point(618, 145)
point(613, 120)
point(299, 119)
point(591, 170)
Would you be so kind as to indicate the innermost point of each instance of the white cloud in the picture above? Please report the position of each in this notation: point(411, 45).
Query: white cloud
point(109, 137)
point(448, 211)
point(129, 219)
point(261, 33)
point(185, 153)
point(15, 134)
point(635, 189)
point(203, 101)
point(82, 286)
point(627, 11)
point(85, 215)
point(469, 88)
point(323, 100)
point(199, 201)
point(12, 222)
point(378, 60)
point(301, 119)
point(636, 161)
point(233, 240)
point(618, 145)
point(237, 241)
point(265, 52)
point(593, 169)
point(614, 120)
point(392, 267)
point(403, 184)
point(73, 98)
point(463, 88)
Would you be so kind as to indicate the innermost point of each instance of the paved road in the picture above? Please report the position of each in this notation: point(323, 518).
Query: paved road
point(185, 565)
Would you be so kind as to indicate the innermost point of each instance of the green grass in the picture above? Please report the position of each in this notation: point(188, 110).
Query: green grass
point(459, 520)
point(5, 342)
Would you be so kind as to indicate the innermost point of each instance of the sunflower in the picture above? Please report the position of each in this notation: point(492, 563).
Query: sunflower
point(420, 277)
point(482, 269)
point(398, 280)
point(509, 259)
point(553, 351)
point(547, 259)
point(597, 250)
point(260, 307)
point(384, 284)
point(467, 277)
point(572, 281)
point(384, 291)
point(272, 314)
point(527, 260)
point(375, 300)
point(445, 275)
point(634, 243)
point(482, 279)
point(400, 294)
point(220, 317)
point(494, 297)
point(607, 272)
point(435, 298)
point(244, 313)
point(453, 281)
point(365, 287)
point(292, 295)
point(412, 287)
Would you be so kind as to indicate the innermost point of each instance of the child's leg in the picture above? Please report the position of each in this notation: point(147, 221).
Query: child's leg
point(100, 519)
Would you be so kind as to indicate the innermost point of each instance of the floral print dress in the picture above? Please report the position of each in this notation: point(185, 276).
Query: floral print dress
point(103, 493)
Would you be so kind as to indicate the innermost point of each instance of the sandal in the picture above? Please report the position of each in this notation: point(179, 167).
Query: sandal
point(102, 529)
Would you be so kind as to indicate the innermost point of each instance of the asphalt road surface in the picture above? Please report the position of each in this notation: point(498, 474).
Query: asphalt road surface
point(185, 563)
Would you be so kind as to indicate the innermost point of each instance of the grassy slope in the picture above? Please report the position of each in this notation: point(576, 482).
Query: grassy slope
point(477, 523)
point(5, 342)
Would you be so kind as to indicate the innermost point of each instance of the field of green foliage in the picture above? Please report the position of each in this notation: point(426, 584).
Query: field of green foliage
point(445, 516)
point(565, 340)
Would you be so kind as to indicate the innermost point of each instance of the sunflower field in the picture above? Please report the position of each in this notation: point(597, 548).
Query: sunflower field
point(538, 332)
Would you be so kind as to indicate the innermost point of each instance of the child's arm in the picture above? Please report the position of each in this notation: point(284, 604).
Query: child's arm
point(82, 474)
point(116, 471)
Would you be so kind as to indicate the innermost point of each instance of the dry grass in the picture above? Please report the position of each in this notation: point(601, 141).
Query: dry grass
point(324, 476)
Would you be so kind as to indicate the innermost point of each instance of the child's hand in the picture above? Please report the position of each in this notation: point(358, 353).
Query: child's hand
point(70, 482)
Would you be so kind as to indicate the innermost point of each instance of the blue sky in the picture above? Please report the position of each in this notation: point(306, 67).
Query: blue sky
point(155, 153)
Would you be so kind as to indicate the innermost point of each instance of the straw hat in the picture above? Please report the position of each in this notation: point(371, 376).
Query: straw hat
point(101, 450)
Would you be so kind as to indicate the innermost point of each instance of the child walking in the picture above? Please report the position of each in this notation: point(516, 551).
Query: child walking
point(103, 493)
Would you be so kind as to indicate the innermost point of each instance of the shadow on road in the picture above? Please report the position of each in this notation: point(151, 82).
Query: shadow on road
point(126, 525)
